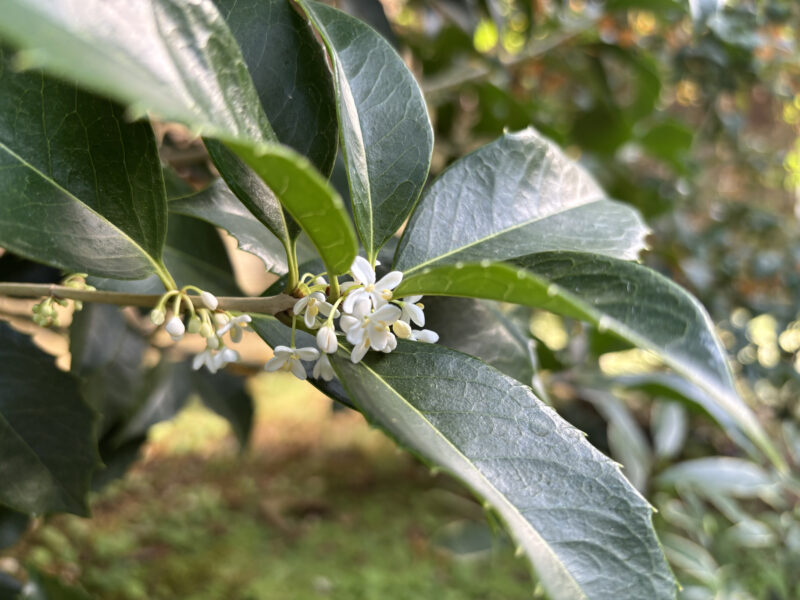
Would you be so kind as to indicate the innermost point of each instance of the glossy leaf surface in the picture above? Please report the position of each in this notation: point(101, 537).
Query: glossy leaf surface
point(176, 59)
point(82, 187)
point(290, 74)
point(567, 506)
point(518, 195)
point(386, 135)
point(620, 297)
point(48, 448)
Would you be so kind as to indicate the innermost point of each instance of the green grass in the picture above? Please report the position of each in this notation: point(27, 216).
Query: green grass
point(321, 507)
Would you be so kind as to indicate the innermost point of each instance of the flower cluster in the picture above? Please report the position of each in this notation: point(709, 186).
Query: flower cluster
point(370, 319)
point(208, 321)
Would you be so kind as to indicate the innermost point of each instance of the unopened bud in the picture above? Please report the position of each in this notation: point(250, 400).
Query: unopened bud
point(326, 339)
point(157, 316)
point(402, 329)
point(206, 330)
point(210, 300)
point(194, 324)
point(78, 305)
point(175, 328)
point(221, 319)
point(213, 342)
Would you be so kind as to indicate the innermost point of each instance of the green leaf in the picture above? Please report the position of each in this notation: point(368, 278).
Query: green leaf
point(308, 198)
point(513, 197)
point(180, 61)
point(194, 255)
point(82, 187)
point(626, 299)
point(175, 59)
point(567, 506)
point(42, 586)
point(227, 396)
point(48, 447)
point(290, 74)
point(492, 336)
point(218, 206)
point(386, 135)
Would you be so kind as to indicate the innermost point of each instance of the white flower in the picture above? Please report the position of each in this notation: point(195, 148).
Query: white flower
point(323, 368)
point(210, 300)
point(175, 328)
point(310, 306)
point(379, 292)
point(288, 359)
point(412, 311)
point(326, 338)
point(359, 350)
point(235, 326)
point(214, 361)
point(372, 327)
point(425, 335)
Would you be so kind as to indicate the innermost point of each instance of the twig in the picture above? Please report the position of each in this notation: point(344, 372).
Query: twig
point(254, 304)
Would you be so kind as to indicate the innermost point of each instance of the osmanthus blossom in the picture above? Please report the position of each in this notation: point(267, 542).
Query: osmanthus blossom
point(236, 326)
point(312, 305)
point(379, 292)
point(289, 359)
point(214, 361)
point(323, 369)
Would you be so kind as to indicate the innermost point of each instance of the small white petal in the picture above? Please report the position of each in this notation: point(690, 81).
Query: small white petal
point(310, 319)
point(427, 336)
point(225, 328)
point(300, 305)
point(359, 351)
point(389, 281)
point(349, 302)
point(388, 313)
point(362, 271)
point(414, 313)
point(210, 300)
point(323, 368)
point(347, 322)
point(276, 363)
point(390, 345)
point(355, 335)
point(229, 355)
point(412, 299)
point(307, 353)
point(378, 338)
point(283, 351)
point(326, 339)
point(298, 370)
point(199, 360)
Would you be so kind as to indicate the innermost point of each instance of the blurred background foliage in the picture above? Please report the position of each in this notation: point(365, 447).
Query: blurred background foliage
point(689, 111)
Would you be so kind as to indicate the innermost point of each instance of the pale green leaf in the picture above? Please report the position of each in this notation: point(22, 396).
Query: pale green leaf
point(626, 299)
point(518, 195)
point(586, 531)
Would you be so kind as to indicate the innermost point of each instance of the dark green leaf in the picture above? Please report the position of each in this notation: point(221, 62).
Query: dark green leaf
point(623, 298)
point(82, 187)
point(566, 505)
point(194, 254)
point(12, 525)
point(218, 206)
point(386, 135)
point(511, 198)
point(670, 141)
point(491, 335)
point(175, 59)
point(227, 396)
point(290, 74)
point(48, 447)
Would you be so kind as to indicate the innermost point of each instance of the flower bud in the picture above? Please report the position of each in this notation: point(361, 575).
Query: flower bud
point(157, 316)
point(326, 339)
point(194, 324)
point(213, 342)
point(402, 329)
point(221, 319)
point(206, 330)
point(210, 300)
point(175, 328)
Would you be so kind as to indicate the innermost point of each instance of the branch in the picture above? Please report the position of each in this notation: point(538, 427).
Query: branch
point(270, 305)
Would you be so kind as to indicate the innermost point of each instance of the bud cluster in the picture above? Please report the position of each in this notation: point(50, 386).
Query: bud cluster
point(45, 313)
point(370, 319)
point(207, 321)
